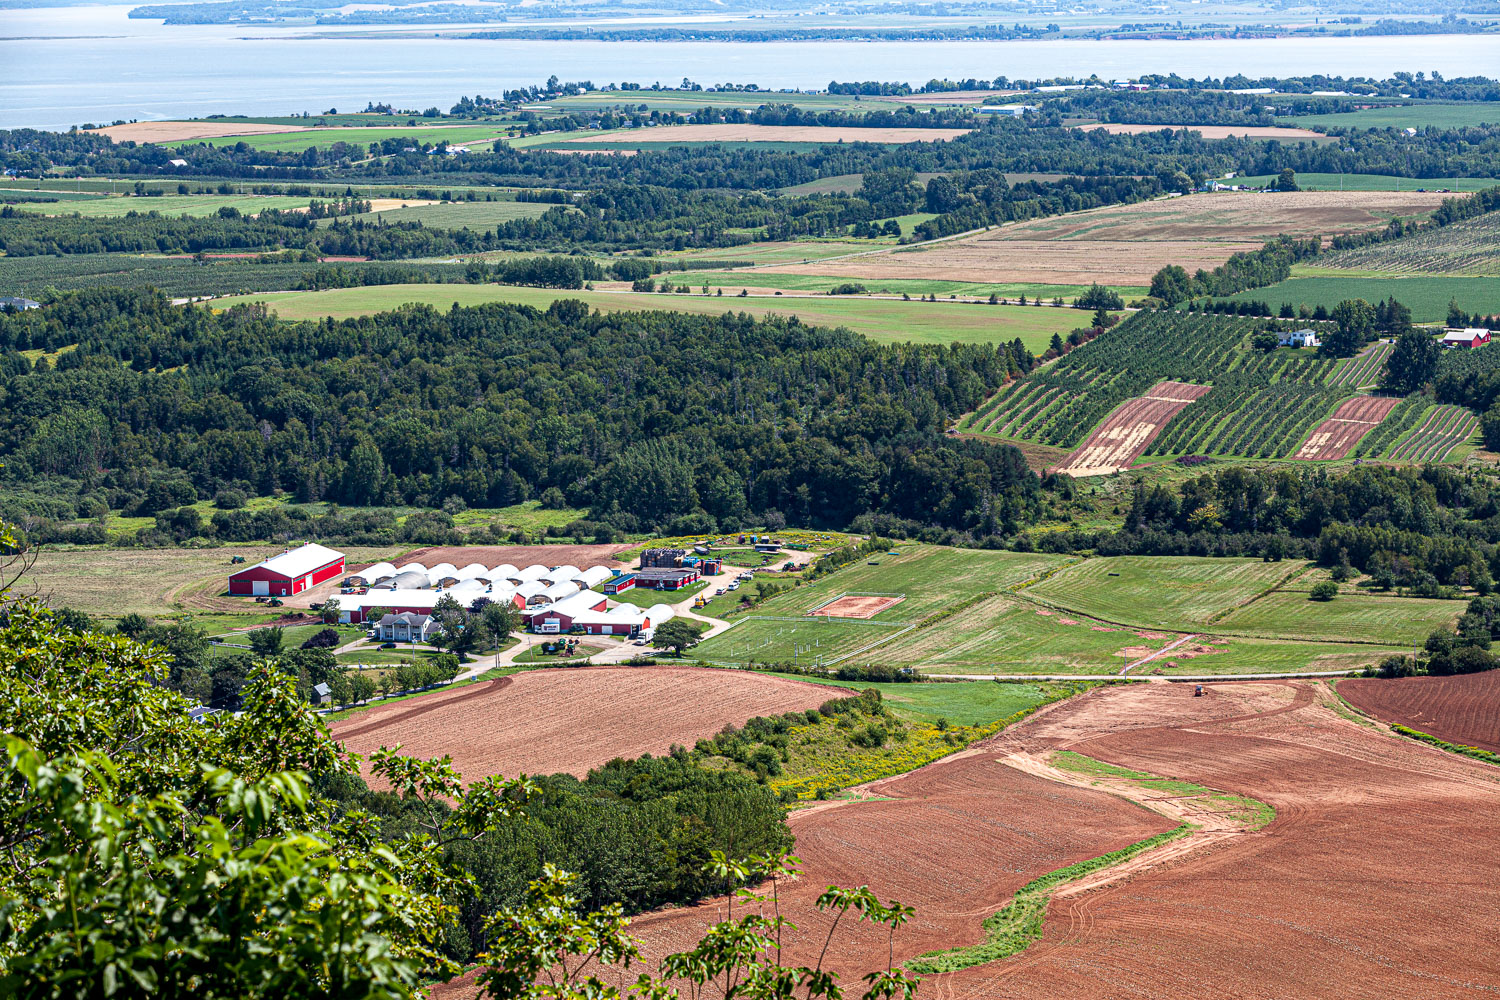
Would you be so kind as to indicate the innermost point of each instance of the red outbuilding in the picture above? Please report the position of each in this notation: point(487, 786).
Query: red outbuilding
point(289, 573)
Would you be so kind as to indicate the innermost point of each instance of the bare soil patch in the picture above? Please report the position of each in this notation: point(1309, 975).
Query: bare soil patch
point(179, 131)
point(1211, 131)
point(857, 607)
point(1336, 436)
point(1127, 244)
point(550, 721)
point(1463, 710)
point(1364, 884)
point(1129, 431)
point(771, 133)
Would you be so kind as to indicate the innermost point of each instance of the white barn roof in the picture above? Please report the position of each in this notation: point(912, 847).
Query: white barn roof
point(297, 562)
point(372, 574)
point(592, 577)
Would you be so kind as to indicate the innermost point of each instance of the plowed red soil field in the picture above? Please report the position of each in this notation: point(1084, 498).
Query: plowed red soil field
point(1128, 431)
point(549, 721)
point(1354, 418)
point(1375, 880)
point(1462, 710)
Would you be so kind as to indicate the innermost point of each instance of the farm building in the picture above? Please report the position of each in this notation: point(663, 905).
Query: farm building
point(356, 610)
point(590, 612)
point(561, 574)
point(620, 584)
point(1471, 337)
point(289, 573)
point(1007, 110)
point(593, 576)
point(667, 579)
point(14, 303)
point(408, 626)
point(370, 575)
point(1298, 338)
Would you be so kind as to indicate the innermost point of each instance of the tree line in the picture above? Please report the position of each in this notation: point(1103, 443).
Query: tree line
point(647, 419)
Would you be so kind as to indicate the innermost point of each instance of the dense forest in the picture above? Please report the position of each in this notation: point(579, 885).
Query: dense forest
point(650, 420)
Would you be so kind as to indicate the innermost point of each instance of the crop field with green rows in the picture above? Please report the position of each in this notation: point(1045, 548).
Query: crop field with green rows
point(1440, 430)
point(1261, 404)
point(1468, 247)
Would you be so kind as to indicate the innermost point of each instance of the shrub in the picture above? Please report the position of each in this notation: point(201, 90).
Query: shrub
point(323, 639)
point(1325, 590)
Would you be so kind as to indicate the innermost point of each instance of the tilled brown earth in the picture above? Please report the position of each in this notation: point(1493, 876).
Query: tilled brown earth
point(1373, 881)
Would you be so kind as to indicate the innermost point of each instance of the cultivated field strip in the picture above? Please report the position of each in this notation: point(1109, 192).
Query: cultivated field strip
point(1127, 432)
point(1443, 429)
point(1400, 420)
point(1261, 404)
point(1468, 247)
point(1463, 709)
point(1337, 436)
point(1364, 368)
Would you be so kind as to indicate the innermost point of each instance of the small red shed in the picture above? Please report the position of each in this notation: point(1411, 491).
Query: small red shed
point(289, 573)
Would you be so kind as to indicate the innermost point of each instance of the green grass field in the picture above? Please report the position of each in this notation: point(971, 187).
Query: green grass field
point(171, 204)
point(1006, 635)
point(1455, 115)
point(797, 640)
point(1374, 182)
point(1426, 296)
point(1347, 618)
point(883, 320)
point(732, 280)
point(322, 138)
point(1184, 593)
point(932, 577)
point(643, 598)
point(458, 214)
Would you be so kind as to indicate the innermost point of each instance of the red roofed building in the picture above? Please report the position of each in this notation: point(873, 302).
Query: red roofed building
point(289, 573)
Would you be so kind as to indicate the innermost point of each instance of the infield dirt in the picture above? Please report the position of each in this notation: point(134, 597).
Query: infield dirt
point(1463, 709)
point(1370, 882)
point(550, 721)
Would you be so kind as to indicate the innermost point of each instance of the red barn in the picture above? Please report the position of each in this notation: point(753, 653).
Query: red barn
point(289, 573)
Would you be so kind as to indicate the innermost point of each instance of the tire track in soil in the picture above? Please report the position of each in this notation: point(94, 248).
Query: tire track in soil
point(426, 705)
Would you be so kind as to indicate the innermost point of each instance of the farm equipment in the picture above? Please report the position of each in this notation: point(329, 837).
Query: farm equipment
point(700, 601)
point(1198, 691)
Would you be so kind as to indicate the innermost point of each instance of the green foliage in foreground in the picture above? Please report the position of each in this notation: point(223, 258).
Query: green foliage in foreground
point(148, 854)
point(1019, 922)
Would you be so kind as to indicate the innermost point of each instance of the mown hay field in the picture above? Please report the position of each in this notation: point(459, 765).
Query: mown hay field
point(169, 204)
point(801, 640)
point(1184, 593)
point(114, 582)
point(932, 577)
point(766, 133)
point(885, 320)
point(1130, 243)
point(1346, 618)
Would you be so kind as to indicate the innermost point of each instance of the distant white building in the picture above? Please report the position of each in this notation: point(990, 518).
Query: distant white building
point(1298, 338)
point(406, 627)
point(1008, 110)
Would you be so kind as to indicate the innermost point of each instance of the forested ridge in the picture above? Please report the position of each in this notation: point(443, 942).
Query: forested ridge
point(646, 418)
